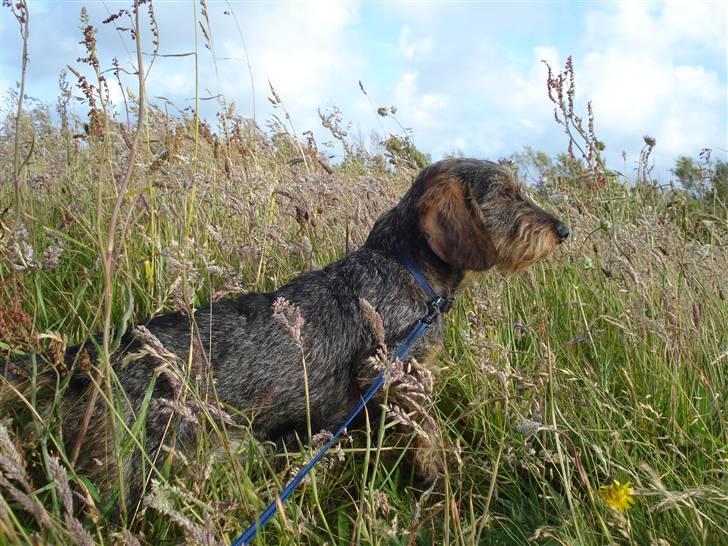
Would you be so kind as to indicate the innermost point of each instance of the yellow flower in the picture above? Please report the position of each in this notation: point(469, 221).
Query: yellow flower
point(618, 495)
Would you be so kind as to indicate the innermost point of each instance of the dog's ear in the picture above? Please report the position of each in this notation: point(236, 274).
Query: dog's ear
point(448, 219)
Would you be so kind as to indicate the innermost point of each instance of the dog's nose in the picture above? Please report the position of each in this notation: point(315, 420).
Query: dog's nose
point(562, 231)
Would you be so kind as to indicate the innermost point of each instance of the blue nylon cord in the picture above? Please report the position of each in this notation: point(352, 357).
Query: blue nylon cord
point(420, 278)
point(400, 354)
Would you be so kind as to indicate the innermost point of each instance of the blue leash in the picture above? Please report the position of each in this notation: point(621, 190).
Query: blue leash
point(436, 305)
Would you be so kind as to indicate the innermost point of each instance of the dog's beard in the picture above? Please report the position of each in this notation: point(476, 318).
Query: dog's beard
point(532, 244)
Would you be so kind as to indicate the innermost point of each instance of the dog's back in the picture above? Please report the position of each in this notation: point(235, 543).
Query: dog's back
point(235, 352)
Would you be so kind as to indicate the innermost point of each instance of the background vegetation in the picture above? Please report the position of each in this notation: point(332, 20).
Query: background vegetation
point(606, 362)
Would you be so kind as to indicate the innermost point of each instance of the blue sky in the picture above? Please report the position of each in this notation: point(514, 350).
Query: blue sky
point(465, 76)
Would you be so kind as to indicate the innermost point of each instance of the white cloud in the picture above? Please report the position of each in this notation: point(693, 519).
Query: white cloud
point(306, 50)
point(548, 54)
point(309, 47)
point(636, 72)
point(5, 87)
point(654, 27)
point(703, 23)
point(412, 48)
point(422, 109)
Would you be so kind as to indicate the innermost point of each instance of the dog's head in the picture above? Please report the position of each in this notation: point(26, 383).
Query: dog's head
point(474, 216)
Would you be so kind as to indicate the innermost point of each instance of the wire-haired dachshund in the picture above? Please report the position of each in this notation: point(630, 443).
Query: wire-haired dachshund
point(459, 215)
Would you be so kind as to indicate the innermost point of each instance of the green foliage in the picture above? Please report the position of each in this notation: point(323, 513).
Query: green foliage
point(604, 362)
point(688, 172)
point(402, 149)
point(702, 178)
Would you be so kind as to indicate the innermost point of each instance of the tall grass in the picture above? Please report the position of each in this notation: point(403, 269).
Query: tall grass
point(606, 362)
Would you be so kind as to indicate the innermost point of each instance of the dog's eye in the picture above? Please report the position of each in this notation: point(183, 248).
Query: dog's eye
point(505, 195)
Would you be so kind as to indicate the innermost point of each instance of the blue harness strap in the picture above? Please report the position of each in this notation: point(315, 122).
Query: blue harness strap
point(436, 305)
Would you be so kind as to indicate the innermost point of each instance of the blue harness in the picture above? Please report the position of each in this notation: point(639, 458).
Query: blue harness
point(436, 306)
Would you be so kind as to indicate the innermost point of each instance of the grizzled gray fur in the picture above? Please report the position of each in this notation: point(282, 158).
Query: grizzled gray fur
point(459, 215)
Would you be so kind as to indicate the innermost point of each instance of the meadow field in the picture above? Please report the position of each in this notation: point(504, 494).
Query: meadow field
point(605, 365)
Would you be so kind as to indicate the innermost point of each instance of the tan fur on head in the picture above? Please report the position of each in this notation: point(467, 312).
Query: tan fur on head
point(451, 227)
point(533, 242)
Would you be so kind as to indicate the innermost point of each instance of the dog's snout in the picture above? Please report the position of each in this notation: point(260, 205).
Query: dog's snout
point(562, 231)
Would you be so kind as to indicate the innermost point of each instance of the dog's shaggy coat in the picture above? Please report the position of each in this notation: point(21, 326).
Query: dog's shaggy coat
point(459, 215)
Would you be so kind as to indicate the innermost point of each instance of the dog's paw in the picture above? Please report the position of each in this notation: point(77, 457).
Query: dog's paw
point(429, 462)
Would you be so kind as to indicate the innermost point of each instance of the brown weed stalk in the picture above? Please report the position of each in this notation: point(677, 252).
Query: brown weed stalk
point(108, 257)
point(561, 89)
point(20, 11)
